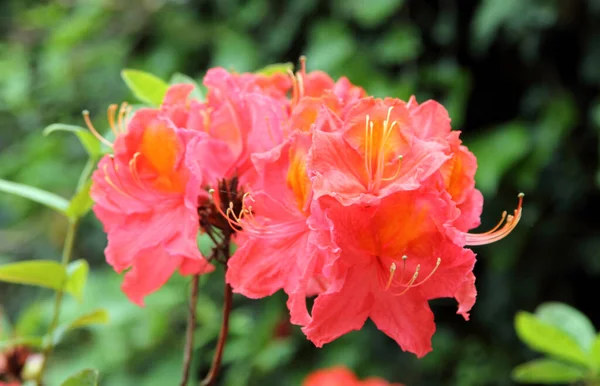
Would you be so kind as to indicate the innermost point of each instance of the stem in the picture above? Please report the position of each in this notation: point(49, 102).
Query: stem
point(191, 327)
point(211, 377)
point(216, 363)
point(66, 258)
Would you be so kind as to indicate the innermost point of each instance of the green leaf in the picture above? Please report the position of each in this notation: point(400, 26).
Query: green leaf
point(369, 13)
point(547, 371)
point(77, 273)
point(179, 78)
point(497, 151)
point(40, 196)
point(86, 377)
point(99, 316)
point(569, 320)
point(548, 339)
point(595, 353)
point(31, 341)
point(91, 144)
point(276, 68)
point(43, 273)
point(81, 202)
point(145, 86)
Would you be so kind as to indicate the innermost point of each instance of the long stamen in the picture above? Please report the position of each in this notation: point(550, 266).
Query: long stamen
point(123, 111)
point(399, 158)
point(112, 184)
point(368, 141)
point(392, 272)
point(88, 122)
point(498, 232)
point(411, 283)
point(112, 111)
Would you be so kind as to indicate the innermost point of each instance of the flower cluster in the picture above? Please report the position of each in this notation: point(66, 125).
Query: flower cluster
point(341, 376)
point(363, 203)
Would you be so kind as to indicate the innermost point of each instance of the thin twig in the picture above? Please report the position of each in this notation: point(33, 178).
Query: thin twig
point(211, 377)
point(191, 327)
point(66, 258)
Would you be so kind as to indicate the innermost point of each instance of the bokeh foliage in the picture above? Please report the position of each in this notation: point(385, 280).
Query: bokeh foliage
point(520, 78)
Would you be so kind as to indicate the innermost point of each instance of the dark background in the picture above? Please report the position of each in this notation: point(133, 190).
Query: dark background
point(519, 78)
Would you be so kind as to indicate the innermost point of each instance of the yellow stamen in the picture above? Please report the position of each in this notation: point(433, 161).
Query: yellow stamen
point(499, 231)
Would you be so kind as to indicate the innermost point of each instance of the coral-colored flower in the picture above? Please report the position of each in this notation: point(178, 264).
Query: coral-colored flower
point(373, 153)
point(341, 376)
point(280, 233)
point(146, 205)
point(395, 257)
point(240, 120)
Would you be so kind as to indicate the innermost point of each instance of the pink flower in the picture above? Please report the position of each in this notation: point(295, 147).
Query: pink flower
point(341, 376)
point(396, 255)
point(148, 209)
point(240, 120)
point(280, 233)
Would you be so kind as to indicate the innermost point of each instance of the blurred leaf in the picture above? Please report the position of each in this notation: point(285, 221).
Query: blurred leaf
point(235, 50)
point(91, 144)
point(569, 320)
point(81, 202)
point(489, 17)
point(548, 339)
point(369, 13)
point(330, 45)
point(275, 354)
point(43, 273)
point(497, 151)
point(595, 353)
point(277, 68)
point(77, 273)
point(32, 341)
point(146, 87)
point(99, 316)
point(399, 45)
point(86, 377)
point(182, 78)
point(547, 371)
point(40, 196)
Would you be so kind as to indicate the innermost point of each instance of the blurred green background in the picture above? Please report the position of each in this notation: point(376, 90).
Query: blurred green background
point(520, 78)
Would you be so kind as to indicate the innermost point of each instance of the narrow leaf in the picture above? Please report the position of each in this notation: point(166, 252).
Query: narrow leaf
point(40, 196)
point(86, 377)
point(77, 273)
point(569, 320)
point(277, 68)
point(179, 78)
point(91, 144)
point(547, 371)
point(146, 87)
point(81, 202)
point(43, 273)
point(546, 338)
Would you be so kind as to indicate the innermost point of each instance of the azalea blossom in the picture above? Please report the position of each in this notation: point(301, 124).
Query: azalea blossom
point(148, 209)
point(341, 376)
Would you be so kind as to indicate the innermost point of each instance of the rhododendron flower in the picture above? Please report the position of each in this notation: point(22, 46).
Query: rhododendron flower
point(146, 205)
point(240, 119)
point(280, 229)
point(341, 376)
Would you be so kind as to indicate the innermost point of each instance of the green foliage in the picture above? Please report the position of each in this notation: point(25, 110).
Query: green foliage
point(567, 336)
point(146, 87)
point(51, 200)
point(90, 143)
point(548, 372)
point(83, 378)
point(44, 273)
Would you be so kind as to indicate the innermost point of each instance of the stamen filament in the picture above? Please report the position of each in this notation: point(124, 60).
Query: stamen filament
point(498, 232)
point(88, 122)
